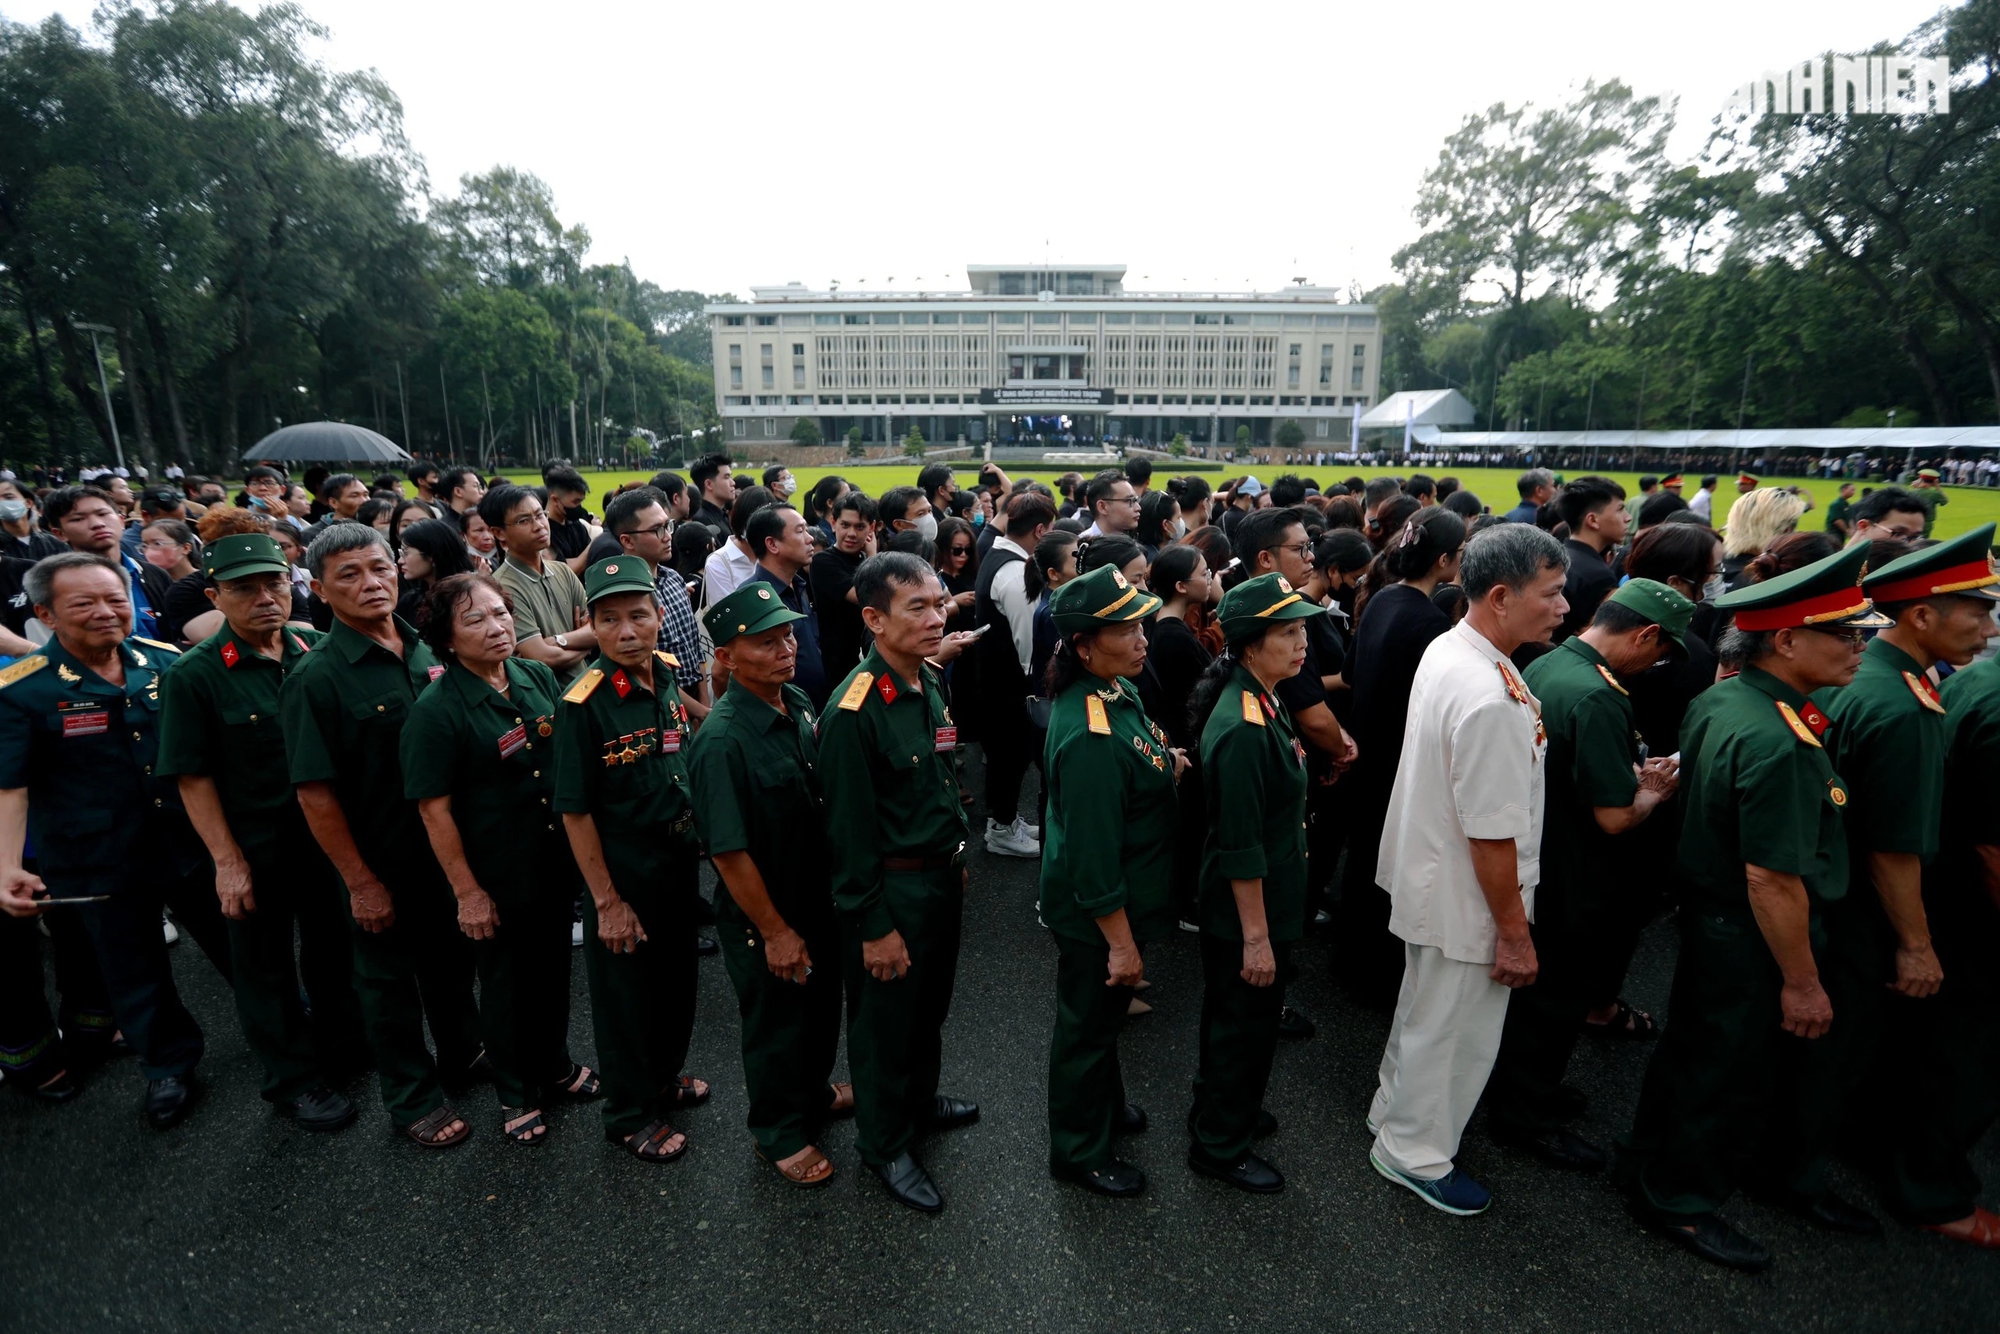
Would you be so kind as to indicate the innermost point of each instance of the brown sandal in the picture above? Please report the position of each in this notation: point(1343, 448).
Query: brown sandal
point(430, 1130)
point(649, 1144)
point(807, 1172)
point(841, 1105)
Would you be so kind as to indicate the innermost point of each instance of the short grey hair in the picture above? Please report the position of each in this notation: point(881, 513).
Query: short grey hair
point(40, 581)
point(1533, 480)
point(344, 535)
point(1508, 553)
point(1737, 648)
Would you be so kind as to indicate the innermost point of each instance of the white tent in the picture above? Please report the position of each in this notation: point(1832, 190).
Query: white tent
point(1832, 442)
point(1418, 408)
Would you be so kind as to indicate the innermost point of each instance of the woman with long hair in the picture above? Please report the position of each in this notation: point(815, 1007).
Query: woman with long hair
point(821, 499)
point(479, 760)
point(1106, 860)
point(1253, 872)
point(1216, 549)
point(407, 512)
point(1393, 627)
point(958, 567)
point(1054, 566)
point(1159, 522)
point(1175, 661)
point(432, 552)
point(1122, 553)
point(170, 545)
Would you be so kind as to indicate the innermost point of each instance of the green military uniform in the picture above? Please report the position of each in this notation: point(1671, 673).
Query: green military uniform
point(620, 759)
point(1933, 496)
point(103, 821)
point(1918, 763)
point(1758, 789)
point(344, 708)
point(757, 790)
point(1581, 900)
point(897, 836)
point(219, 720)
point(1255, 768)
point(494, 755)
point(1107, 847)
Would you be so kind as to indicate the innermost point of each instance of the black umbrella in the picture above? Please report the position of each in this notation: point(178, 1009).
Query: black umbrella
point(325, 442)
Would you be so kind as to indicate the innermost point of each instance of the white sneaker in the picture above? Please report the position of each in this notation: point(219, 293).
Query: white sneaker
point(169, 930)
point(576, 935)
point(1008, 841)
point(1031, 832)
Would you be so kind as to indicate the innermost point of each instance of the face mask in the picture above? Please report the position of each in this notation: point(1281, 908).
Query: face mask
point(13, 510)
point(927, 527)
point(978, 519)
point(1179, 529)
point(1713, 589)
point(786, 486)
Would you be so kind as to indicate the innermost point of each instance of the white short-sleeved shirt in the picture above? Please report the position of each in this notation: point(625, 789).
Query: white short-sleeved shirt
point(1471, 768)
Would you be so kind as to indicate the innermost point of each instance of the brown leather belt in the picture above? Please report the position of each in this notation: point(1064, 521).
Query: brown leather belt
point(924, 863)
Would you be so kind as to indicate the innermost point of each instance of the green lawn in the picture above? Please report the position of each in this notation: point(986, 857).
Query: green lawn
point(1968, 508)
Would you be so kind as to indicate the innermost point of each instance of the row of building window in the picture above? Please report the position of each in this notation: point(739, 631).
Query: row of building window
point(1045, 319)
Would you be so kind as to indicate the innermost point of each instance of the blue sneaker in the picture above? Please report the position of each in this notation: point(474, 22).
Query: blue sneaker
point(1455, 1192)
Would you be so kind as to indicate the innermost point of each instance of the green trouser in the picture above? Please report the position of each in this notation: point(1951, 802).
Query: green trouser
point(1523, 1095)
point(132, 953)
point(642, 1004)
point(524, 983)
point(1711, 1080)
point(1086, 1090)
point(895, 1029)
point(297, 888)
point(791, 1033)
point(419, 969)
point(1239, 1039)
point(1941, 1066)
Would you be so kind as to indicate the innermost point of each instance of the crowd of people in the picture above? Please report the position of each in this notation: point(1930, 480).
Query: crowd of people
point(389, 758)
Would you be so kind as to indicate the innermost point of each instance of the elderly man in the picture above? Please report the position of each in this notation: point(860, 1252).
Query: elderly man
point(79, 741)
point(1537, 487)
point(1460, 857)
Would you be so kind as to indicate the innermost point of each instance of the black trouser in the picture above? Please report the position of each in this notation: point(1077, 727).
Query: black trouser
point(297, 888)
point(791, 1033)
point(1086, 1089)
point(1523, 1092)
point(1369, 959)
point(895, 1029)
point(1191, 800)
point(1011, 746)
point(132, 954)
point(419, 968)
point(1723, 1065)
point(642, 1004)
point(524, 983)
point(35, 1045)
point(1239, 1040)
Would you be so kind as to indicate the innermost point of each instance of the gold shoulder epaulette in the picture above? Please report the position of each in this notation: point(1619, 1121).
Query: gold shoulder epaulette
point(1100, 722)
point(1921, 687)
point(857, 691)
point(1799, 729)
point(25, 667)
point(586, 683)
point(1253, 712)
point(1611, 680)
point(666, 657)
point(157, 644)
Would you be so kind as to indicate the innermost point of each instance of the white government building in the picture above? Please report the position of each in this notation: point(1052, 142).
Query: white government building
point(1042, 355)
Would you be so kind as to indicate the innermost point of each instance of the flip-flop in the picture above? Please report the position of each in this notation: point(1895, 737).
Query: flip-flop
point(429, 1131)
point(649, 1144)
point(689, 1092)
point(805, 1173)
point(524, 1134)
point(1625, 1025)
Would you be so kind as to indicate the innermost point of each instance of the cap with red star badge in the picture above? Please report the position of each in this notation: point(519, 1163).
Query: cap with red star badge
point(1260, 601)
point(1824, 595)
point(1102, 597)
point(617, 574)
point(751, 608)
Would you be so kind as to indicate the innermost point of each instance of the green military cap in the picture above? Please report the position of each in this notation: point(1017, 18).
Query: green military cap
point(242, 554)
point(1963, 566)
point(1102, 597)
point(617, 574)
point(1658, 604)
point(1826, 593)
point(1259, 601)
point(752, 607)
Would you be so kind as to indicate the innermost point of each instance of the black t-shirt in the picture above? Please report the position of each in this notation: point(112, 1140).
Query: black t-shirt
point(568, 540)
point(603, 548)
point(185, 600)
point(1397, 625)
point(1661, 695)
point(830, 574)
point(1590, 581)
point(34, 546)
point(1177, 659)
point(15, 613)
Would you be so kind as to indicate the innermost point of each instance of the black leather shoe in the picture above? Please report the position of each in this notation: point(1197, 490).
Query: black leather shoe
point(169, 1100)
point(703, 947)
point(908, 1183)
point(1294, 1026)
point(1558, 1148)
point(1116, 1178)
point(1130, 1120)
point(319, 1108)
point(1709, 1237)
point(1249, 1172)
point(1836, 1215)
point(1570, 1103)
point(951, 1113)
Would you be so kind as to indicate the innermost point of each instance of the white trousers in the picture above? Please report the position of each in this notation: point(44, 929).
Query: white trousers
point(1441, 1049)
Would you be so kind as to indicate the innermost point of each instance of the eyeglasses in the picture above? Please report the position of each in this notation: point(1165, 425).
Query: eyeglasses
point(528, 520)
point(656, 531)
point(1123, 500)
point(1856, 639)
point(1301, 549)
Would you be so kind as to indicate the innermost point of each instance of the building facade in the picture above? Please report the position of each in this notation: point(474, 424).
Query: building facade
point(1045, 355)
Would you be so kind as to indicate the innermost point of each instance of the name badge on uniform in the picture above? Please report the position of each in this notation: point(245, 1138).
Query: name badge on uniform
point(670, 741)
point(947, 740)
point(85, 722)
point(436, 672)
point(512, 741)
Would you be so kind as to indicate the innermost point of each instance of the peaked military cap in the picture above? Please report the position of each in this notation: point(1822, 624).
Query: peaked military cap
point(1672, 481)
point(1259, 601)
point(1825, 593)
point(242, 554)
point(1102, 597)
point(1963, 566)
point(752, 607)
point(617, 574)
point(1657, 603)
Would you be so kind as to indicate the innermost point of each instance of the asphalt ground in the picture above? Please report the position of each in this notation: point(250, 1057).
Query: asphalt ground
point(238, 1221)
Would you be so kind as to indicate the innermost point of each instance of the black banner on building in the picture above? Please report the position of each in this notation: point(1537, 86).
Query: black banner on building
point(1035, 396)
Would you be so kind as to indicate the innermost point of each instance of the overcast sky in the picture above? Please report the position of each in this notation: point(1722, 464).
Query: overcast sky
point(1236, 145)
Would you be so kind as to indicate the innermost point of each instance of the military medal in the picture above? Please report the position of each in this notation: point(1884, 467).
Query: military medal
point(545, 728)
point(1836, 792)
